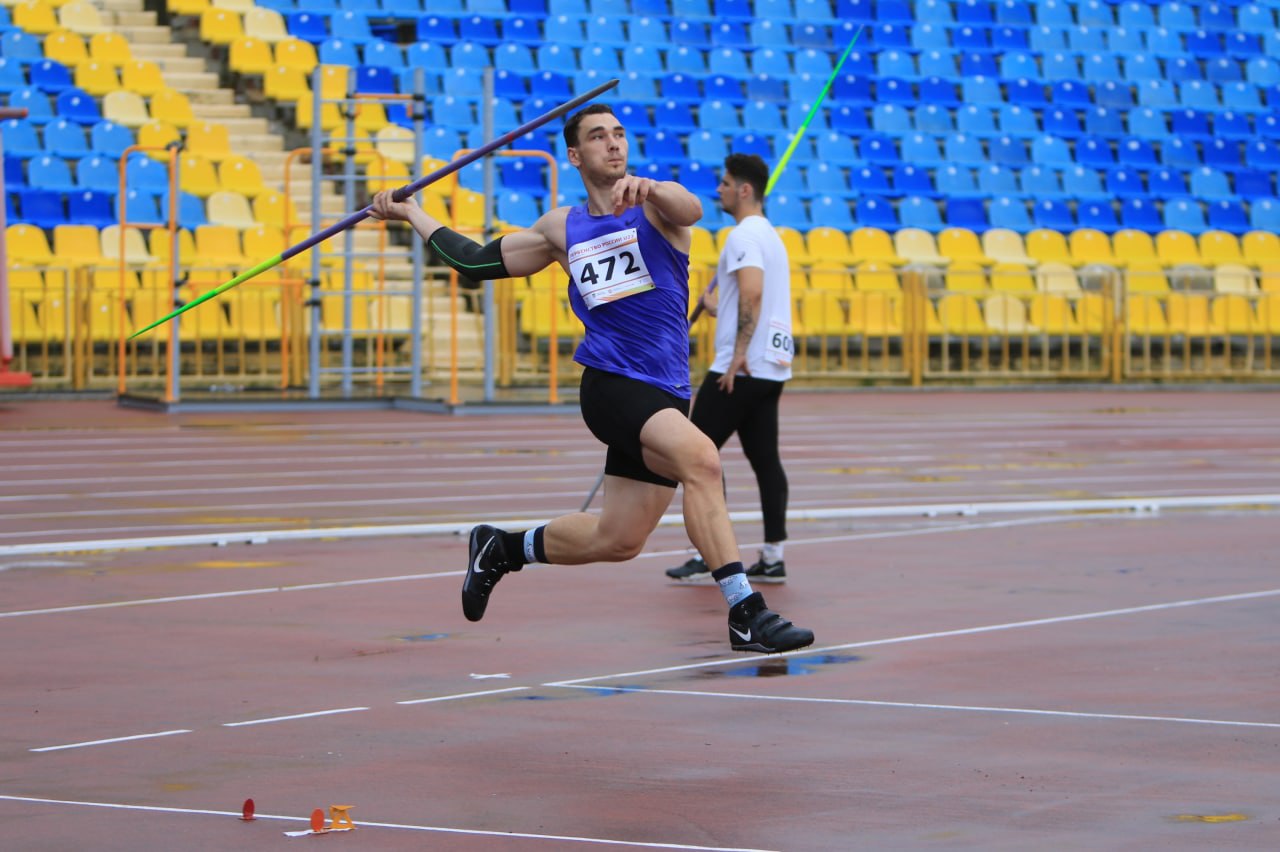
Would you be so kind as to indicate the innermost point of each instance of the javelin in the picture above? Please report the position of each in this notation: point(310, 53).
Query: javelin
point(399, 195)
point(782, 163)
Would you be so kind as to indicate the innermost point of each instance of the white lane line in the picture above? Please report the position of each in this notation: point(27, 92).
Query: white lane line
point(464, 695)
point(292, 717)
point(909, 531)
point(1123, 717)
point(112, 740)
point(601, 841)
point(941, 634)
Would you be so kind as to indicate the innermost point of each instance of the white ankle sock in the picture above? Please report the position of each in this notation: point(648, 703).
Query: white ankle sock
point(772, 553)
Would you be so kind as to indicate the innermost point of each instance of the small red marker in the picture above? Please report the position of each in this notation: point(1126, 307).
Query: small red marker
point(247, 815)
point(317, 820)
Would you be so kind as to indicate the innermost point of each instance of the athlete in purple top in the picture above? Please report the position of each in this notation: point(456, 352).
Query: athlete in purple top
point(626, 253)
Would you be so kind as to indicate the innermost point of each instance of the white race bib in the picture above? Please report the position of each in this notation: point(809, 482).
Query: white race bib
point(609, 268)
point(779, 348)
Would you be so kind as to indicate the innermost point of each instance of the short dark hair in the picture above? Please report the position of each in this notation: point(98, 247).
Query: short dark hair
point(571, 126)
point(749, 169)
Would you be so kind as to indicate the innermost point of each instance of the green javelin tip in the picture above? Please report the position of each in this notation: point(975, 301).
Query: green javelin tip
point(221, 288)
point(813, 110)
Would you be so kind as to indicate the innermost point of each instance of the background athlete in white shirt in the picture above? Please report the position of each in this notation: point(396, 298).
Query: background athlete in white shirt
point(751, 300)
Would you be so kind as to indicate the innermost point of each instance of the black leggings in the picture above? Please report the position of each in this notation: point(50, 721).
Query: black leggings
point(751, 411)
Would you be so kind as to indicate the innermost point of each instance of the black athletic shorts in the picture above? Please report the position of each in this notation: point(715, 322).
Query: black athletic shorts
point(615, 409)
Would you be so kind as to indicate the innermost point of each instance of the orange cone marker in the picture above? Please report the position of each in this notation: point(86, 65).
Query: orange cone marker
point(247, 814)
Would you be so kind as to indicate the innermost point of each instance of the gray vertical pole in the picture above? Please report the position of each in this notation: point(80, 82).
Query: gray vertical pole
point(348, 237)
point(490, 342)
point(317, 173)
point(175, 350)
point(415, 316)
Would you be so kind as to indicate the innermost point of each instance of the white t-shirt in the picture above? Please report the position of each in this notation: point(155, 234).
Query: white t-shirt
point(753, 242)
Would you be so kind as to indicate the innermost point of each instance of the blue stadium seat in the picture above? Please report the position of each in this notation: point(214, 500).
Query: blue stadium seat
point(1158, 94)
point(848, 119)
point(1010, 213)
point(606, 30)
point(728, 61)
point(1264, 215)
point(811, 35)
point(1054, 13)
point(918, 212)
point(1070, 93)
point(1147, 123)
point(35, 102)
point(462, 83)
point(894, 91)
point(1225, 154)
point(1178, 153)
point(792, 181)
point(1063, 123)
point(978, 63)
point(862, 10)
point(93, 207)
point(725, 88)
point(660, 171)
point(876, 149)
point(1105, 122)
point(955, 181)
point(48, 172)
point(910, 180)
point(633, 115)
point(1054, 215)
point(1008, 151)
point(1010, 39)
point(983, 91)
point(1263, 71)
point(976, 121)
point(637, 57)
point(831, 212)
point(638, 86)
point(1014, 13)
point(1101, 68)
point(940, 91)
point(1263, 154)
point(1198, 94)
point(997, 180)
point(1094, 13)
point(788, 211)
point(930, 118)
point(761, 115)
point(892, 119)
point(764, 87)
point(675, 115)
point(1125, 183)
point(1047, 40)
point(680, 87)
point(888, 36)
point(1223, 70)
point(964, 149)
point(887, 12)
point(44, 208)
point(509, 85)
point(519, 58)
point(1114, 95)
point(927, 37)
point(1180, 69)
point(937, 63)
point(1026, 92)
point(707, 146)
point(873, 212)
point(1136, 14)
point(869, 181)
point(1210, 184)
point(891, 63)
point(664, 147)
point(1136, 153)
point(769, 32)
point(760, 144)
point(837, 148)
point(1084, 184)
point(1242, 97)
point(65, 139)
point(1184, 214)
point(1041, 182)
point(1252, 184)
point(1051, 151)
point(718, 115)
point(730, 33)
point(1166, 183)
point(771, 62)
point(313, 28)
point(1203, 44)
point(1140, 214)
point(1126, 41)
point(354, 26)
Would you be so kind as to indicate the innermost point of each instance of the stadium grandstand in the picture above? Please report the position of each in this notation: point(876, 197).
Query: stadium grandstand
point(1043, 189)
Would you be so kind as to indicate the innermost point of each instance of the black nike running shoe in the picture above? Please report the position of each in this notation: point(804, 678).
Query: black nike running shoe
point(693, 571)
point(767, 572)
point(485, 567)
point(755, 627)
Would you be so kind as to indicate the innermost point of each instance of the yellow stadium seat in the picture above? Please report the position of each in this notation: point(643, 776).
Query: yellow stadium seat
point(468, 208)
point(1051, 312)
point(1005, 246)
point(1269, 314)
point(158, 242)
point(250, 55)
point(1145, 316)
point(158, 135)
point(125, 108)
point(1056, 278)
point(1260, 248)
point(1012, 278)
point(960, 316)
point(829, 278)
point(797, 251)
point(51, 309)
point(830, 247)
point(435, 206)
point(536, 309)
point(240, 6)
point(333, 81)
point(111, 48)
point(66, 47)
point(83, 18)
point(722, 234)
point(702, 251)
point(1146, 277)
point(198, 176)
point(108, 280)
point(1269, 278)
point(188, 7)
point(1219, 247)
point(296, 54)
point(966, 277)
point(1235, 315)
point(36, 17)
point(285, 84)
point(231, 209)
point(330, 117)
point(1130, 247)
point(143, 77)
point(77, 245)
point(219, 245)
point(916, 245)
point(265, 24)
point(1189, 314)
point(824, 314)
point(241, 174)
point(25, 287)
point(272, 207)
point(866, 244)
point(254, 313)
point(395, 143)
point(1234, 278)
point(172, 106)
point(210, 140)
point(263, 241)
point(27, 245)
point(872, 276)
point(1094, 313)
point(962, 246)
point(1175, 248)
point(1090, 246)
point(219, 26)
point(875, 314)
point(135, 247)
point(1005, 313)
point(383, 174)
point(370, 118)
point(1048, 246)
point(96, 78)
point(205, 322)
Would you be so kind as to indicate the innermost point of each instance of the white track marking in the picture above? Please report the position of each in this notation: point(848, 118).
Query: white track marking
point(1123, 717)
point(941, 634)
point(367, 824)
point(112, 740)
point(464, 695)
point(293, 717)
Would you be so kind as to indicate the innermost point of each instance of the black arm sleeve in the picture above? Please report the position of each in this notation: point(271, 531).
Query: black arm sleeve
point(476, 262)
